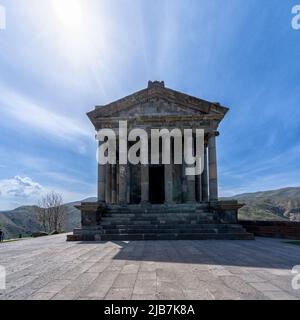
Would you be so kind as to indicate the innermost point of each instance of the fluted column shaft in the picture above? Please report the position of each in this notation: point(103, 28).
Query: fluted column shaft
point(191, 192)
point(191, 184)
point(205, 178)
point(108, 184)
point(144, 183)
point(114, 184)
point(169, 179)
point(213, 174)
point(101, 180)
point(199, 190)
point(123, 170)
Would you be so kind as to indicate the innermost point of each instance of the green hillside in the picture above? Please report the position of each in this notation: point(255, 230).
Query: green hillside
point(23, 220)
point(282, 204)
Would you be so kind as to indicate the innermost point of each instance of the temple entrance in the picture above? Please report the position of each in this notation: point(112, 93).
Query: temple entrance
point(157, 184)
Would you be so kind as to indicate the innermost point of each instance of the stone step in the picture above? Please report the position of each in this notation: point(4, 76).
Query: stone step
point(154, 215)
point(132, 207)
point(175, 236)
point(154, 219)
point(156, 222)
point(169, 231)
point(138, 212)
point(159, 209)
point(175, 226)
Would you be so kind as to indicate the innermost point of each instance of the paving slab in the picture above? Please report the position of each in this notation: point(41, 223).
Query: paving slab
point(51, 268)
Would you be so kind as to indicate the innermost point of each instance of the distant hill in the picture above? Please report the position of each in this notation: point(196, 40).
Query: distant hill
point(282, 204)
point(23, 220)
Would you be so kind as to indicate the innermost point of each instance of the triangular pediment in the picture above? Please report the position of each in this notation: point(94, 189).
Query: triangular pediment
point(156, 100)
point(156, 106)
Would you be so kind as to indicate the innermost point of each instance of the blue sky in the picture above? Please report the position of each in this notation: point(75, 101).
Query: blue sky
point(60, 58)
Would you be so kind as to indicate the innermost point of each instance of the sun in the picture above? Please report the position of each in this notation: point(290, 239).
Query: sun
point(69, 12)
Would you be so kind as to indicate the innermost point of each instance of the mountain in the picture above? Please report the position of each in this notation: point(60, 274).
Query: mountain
point(19, 221)
point(23, 220)
point(282, 204)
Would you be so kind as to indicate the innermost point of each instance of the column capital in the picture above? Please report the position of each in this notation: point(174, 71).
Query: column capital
point(208, 135)
point(213, 134)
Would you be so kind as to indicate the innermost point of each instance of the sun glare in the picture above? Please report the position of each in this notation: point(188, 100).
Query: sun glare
point(69, 12)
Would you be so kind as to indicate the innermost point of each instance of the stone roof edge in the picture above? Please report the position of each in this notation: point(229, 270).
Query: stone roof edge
point(159, 90)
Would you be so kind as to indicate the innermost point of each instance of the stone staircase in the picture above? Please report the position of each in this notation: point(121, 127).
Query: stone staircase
point(163, 222)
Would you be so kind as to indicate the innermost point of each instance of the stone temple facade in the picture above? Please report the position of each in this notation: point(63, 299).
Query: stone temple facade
point(149, 202)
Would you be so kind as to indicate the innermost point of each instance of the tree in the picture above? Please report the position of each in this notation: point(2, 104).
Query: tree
point(51, 212)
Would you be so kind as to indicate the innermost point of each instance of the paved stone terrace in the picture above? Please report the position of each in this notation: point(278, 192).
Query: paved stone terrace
point(51, 268)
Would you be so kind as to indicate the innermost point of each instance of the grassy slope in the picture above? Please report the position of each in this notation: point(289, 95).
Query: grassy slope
point(281, 204)
point(23, 220)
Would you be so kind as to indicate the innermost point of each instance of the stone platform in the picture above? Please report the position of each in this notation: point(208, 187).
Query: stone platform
point(51, 268)
point(160, 222)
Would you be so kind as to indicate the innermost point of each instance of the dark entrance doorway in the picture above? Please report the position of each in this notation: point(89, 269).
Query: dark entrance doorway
point(157, 184)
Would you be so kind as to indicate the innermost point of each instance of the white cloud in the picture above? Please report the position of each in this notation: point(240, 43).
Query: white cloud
point(41, 117)
point(22, 187)
point(22, 190)
point(19, 191)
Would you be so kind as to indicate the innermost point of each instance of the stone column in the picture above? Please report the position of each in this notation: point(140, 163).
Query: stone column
point(169, 178)
point(212, 160)
point(191, 185)
point(191, 192)
point(183, 183)
point(205, 178)
point(101, 181)
point(113, 184)
point(144, 183)
point(128, 181)
point(199, 190)
point(123, 170)
point(198, 179)
point(108, 184)
point(118, 182)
